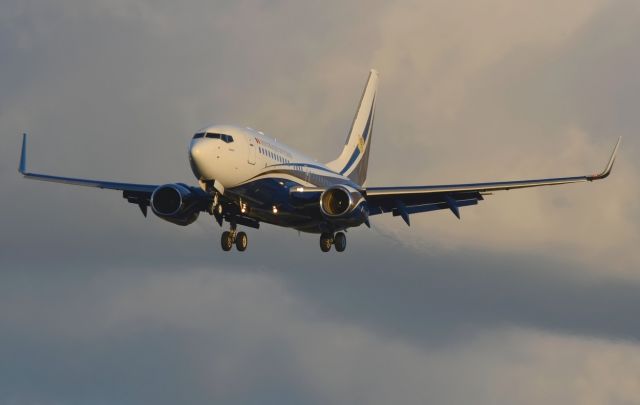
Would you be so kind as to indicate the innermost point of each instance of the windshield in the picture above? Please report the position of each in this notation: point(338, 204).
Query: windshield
point(211, 135)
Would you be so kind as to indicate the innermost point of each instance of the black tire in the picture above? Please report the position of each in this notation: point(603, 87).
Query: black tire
point(225, 241)
point(326, 240)
point(242, 241)
point(340, 240)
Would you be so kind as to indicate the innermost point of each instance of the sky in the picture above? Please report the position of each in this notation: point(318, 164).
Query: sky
point(531, 298)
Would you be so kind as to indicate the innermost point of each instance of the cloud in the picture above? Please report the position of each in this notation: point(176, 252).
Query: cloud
point(149, 336)
point(530, 297)
point(493, 96)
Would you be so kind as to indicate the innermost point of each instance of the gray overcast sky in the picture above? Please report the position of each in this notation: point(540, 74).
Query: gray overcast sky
point(531, 298)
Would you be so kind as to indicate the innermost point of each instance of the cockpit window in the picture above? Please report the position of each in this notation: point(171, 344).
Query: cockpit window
point(223, 137)
point(198, 135)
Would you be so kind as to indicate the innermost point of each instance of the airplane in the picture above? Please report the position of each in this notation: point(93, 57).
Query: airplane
point(246, 178)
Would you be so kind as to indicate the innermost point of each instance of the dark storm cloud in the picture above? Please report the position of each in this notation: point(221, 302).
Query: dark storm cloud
point(161, 332)
point(430, 297)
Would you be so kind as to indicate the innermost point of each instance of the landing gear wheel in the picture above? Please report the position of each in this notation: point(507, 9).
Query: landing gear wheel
point(340, 240)
point(326, 240)
point(226, 241)
point(241, 241)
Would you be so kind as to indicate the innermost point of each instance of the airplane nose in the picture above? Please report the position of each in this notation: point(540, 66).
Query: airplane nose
point(196, 152)
point(195, 149)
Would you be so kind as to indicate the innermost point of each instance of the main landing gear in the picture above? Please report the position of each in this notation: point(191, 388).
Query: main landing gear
point(327, 239)
point(231, 237)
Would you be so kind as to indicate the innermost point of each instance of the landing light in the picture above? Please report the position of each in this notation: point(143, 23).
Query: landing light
point(300, 189)
point(243, 208)
point(275, 210)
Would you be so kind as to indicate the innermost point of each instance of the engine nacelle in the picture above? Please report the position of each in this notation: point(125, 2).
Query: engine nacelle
point(344, 204)
point(175, 203)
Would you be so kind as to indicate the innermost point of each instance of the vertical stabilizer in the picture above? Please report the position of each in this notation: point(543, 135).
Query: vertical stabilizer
point(354, 159)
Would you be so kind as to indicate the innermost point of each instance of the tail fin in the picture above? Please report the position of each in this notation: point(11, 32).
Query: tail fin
point(354, 159)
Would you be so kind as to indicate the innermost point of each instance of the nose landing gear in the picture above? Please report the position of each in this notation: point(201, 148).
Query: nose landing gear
point(339, 240)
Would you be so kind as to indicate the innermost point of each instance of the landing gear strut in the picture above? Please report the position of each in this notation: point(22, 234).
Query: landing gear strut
point(231, 237)
point(327, 239)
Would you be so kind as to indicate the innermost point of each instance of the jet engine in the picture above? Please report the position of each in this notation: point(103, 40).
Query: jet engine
point(175, 203)
point(344, 204)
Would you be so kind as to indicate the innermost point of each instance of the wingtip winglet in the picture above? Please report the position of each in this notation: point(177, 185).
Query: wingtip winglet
point(607, 171)
point(22, 168)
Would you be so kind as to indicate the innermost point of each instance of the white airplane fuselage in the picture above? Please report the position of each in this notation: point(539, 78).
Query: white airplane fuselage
point(260, 174)
point(249, 154)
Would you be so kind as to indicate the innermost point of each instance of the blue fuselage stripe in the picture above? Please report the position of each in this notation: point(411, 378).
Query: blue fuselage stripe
point(354, 156)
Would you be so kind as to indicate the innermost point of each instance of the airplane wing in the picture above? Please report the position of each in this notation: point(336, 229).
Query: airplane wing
point(134, 193)
point(403, 201)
